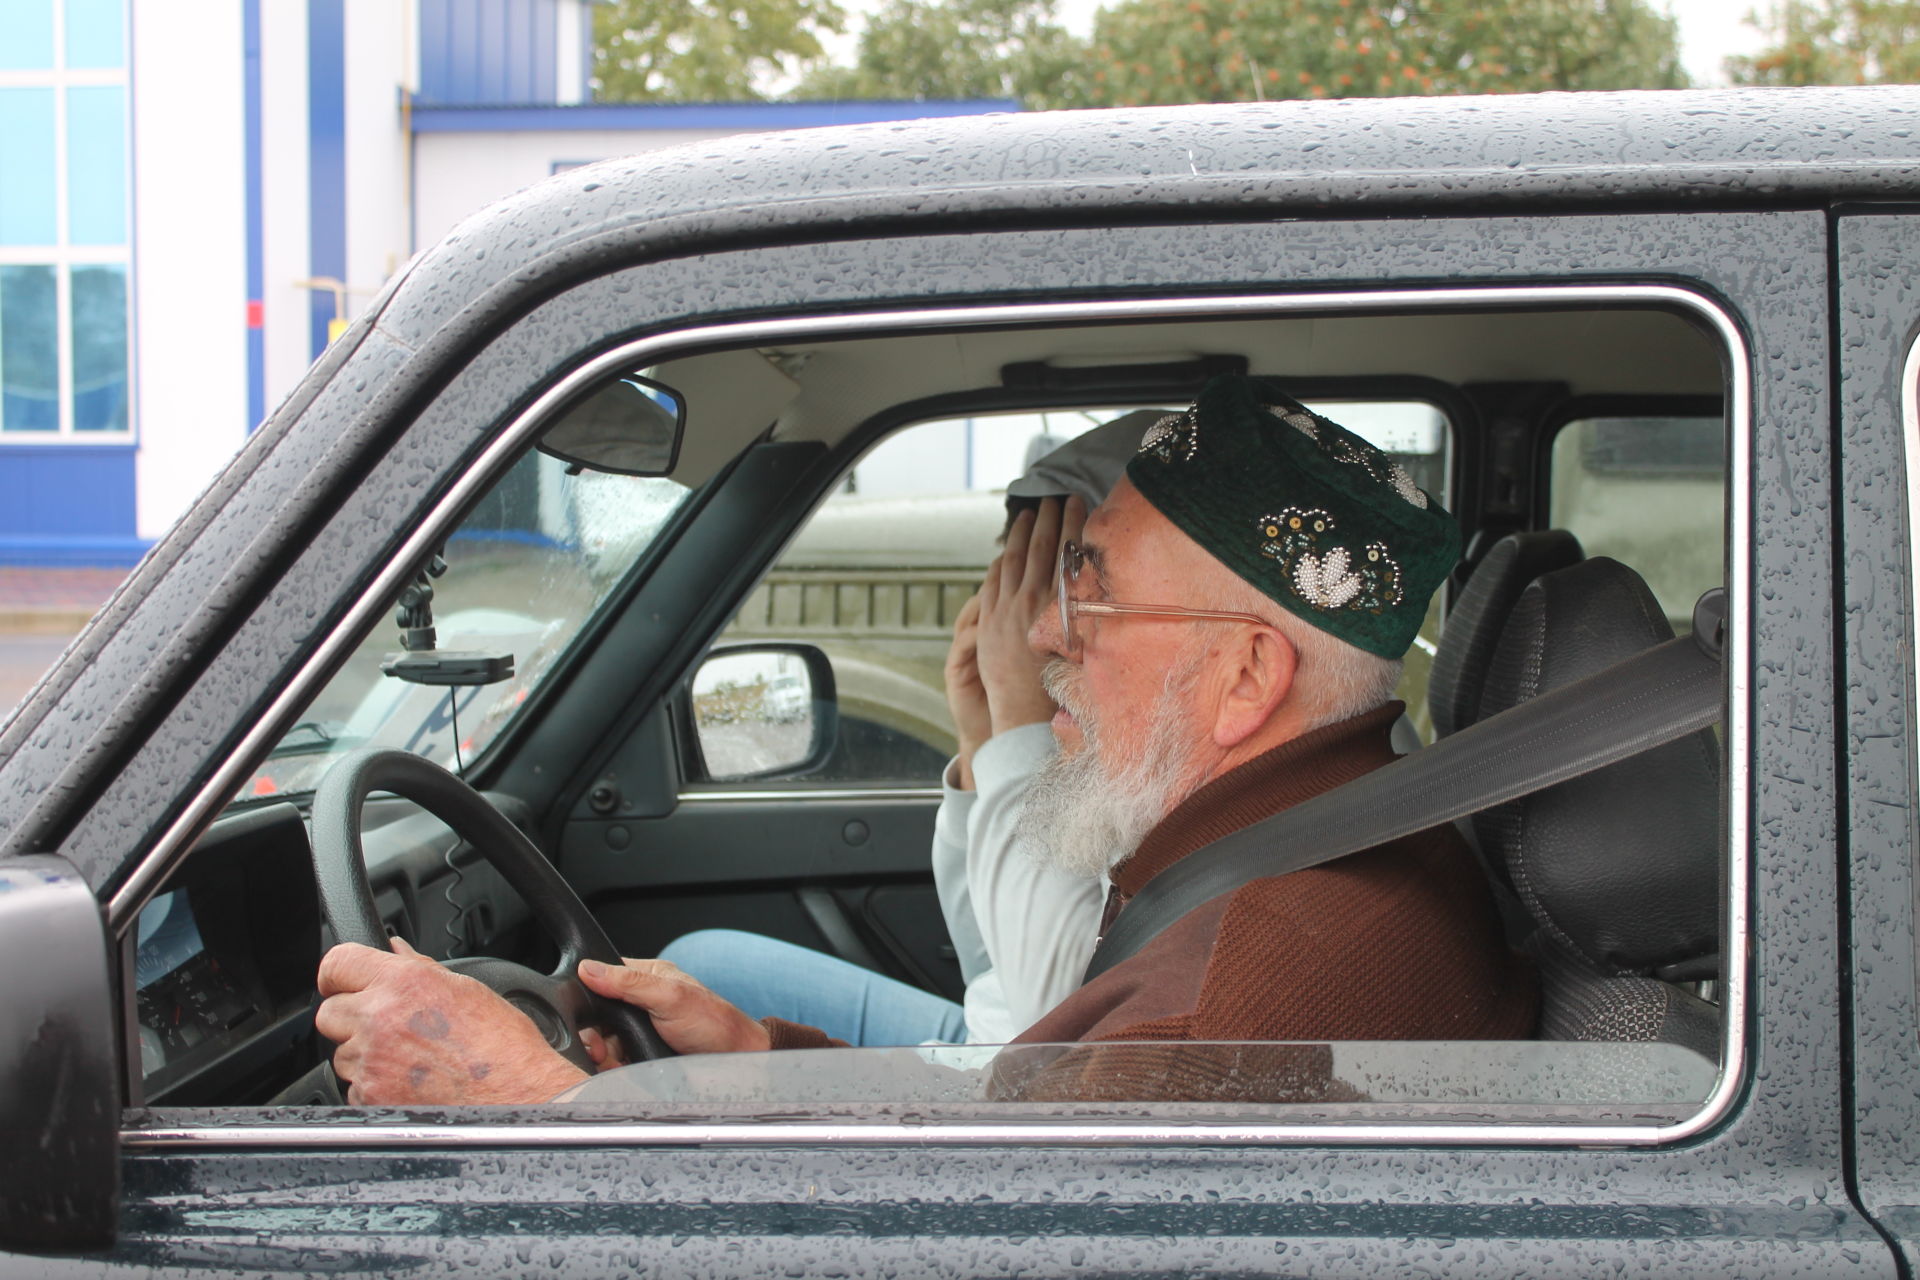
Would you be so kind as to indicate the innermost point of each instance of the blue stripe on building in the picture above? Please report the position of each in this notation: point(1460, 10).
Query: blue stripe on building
point(256, 228)
point(68, 505)
point(489, 50)
point(326, 154)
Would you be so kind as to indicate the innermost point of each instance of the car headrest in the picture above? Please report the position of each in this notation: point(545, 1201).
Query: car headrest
point(1622, 865)
point(1475, 621)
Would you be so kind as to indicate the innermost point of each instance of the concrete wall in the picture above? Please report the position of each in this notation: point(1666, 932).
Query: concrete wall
point(460, 173)
point(189, 264)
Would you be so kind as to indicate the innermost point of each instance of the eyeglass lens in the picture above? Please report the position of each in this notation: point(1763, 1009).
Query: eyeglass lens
point(1069, 573)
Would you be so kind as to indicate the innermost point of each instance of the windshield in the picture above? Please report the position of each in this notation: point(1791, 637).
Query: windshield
point(525, 571)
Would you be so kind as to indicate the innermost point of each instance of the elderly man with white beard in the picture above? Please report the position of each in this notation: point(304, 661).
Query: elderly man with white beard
point(1226, 642)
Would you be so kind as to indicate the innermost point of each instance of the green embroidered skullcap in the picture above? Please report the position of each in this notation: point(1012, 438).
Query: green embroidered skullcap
point(1314, 516)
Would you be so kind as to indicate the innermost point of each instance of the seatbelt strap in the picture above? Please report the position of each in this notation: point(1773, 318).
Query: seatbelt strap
point(1646, 701)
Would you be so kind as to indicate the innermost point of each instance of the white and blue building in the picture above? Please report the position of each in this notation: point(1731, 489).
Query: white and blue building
point(194, 196)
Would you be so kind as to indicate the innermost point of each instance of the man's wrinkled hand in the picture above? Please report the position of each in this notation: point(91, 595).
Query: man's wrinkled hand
point(412, 1032)
point(690, 1018)
point(1019, 584)
point(603, 1050)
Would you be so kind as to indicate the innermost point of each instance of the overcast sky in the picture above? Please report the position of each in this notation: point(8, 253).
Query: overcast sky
point(1710, 30)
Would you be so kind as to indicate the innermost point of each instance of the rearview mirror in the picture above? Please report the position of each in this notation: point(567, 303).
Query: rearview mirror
point(630, 427)
point(763, 711)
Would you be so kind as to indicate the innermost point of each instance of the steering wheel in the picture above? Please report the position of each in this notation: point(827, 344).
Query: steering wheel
point(556, 1002)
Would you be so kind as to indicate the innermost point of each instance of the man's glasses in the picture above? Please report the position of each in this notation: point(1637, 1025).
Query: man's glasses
point(1073, 559)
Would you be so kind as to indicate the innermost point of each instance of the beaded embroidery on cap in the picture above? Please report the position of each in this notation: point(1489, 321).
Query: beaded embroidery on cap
point(1177, 433)
point(1353, 451)
point(1329, 578)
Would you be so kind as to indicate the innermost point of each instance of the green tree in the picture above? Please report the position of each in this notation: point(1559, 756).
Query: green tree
point(920, 49)
point(1835, 42)
point(703, 50)
point(1173, 51)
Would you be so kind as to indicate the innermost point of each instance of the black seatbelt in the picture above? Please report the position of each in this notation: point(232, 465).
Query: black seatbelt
point(1646, 701)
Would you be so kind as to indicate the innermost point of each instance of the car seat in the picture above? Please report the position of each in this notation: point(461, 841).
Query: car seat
point(1473, 626)
point(1619, 869)
point(1460, 663)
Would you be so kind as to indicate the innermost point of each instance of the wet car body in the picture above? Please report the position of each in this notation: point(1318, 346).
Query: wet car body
point(1792, 213)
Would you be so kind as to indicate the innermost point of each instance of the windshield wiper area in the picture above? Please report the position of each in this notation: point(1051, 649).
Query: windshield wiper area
point(305, 739)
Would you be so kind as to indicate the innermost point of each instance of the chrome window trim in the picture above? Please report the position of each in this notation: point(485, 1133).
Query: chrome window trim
point(758, 1133)
point(173, 845)
point(1910, 459)
point(1910, 437)
point(836, 794)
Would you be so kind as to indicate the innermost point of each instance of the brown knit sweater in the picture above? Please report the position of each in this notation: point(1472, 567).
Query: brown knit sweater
point(1398, 942)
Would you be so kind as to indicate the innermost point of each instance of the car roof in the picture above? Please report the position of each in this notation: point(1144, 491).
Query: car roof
point(1348, 157)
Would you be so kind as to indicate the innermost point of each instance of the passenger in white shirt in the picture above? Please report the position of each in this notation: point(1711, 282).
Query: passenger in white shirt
point(1022, 931)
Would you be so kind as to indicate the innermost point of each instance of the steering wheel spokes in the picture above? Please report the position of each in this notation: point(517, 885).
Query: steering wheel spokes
point(556, 1003)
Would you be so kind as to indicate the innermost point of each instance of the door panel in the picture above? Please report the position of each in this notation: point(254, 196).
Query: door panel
point(758, 864)
point(1772, 1168)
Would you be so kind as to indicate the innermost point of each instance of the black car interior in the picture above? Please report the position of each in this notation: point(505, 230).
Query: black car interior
point(1614, 883)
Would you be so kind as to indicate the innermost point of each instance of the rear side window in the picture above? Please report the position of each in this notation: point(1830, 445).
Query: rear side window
point(1649, 492)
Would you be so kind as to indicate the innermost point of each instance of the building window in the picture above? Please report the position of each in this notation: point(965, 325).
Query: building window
point(64, 331)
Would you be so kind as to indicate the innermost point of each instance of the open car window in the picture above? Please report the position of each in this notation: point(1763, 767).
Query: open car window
point(521, 576)
point(871, 559)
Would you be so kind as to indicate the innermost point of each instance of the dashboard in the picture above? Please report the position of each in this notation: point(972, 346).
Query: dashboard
point(222, 962)
point(187, 997)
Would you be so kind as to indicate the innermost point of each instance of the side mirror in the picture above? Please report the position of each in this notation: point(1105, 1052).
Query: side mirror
point(763, 711)
point(59, 1090)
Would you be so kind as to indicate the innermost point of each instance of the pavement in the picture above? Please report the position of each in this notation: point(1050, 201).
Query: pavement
point(53, 601)
point(40, 611)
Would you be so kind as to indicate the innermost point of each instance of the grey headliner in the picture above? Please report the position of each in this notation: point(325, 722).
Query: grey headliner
point(825, 390)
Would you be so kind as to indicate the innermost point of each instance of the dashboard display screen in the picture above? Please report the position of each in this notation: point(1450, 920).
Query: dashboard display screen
point(168, 938)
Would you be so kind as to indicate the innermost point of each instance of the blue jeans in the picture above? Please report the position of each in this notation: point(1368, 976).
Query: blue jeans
point(768, 978)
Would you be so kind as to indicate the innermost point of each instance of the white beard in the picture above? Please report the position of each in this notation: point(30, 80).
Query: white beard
point(1085, 814)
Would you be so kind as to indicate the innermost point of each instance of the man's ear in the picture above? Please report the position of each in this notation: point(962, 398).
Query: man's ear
point(1257, 677)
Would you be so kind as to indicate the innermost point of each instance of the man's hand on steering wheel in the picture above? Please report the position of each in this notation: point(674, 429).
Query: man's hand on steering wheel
point(407, 1061)
point(414, 1032)
point(690, 1018)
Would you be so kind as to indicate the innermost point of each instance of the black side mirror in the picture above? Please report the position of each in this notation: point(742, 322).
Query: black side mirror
point(763, 711)
point(59, 1090)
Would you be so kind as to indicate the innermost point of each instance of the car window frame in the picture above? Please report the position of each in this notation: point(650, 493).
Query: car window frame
point(534, 1127)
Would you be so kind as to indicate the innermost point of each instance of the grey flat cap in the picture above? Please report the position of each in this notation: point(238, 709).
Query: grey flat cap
point(1088, 465)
